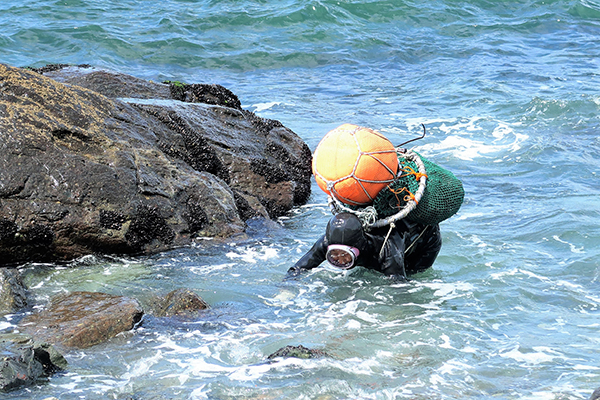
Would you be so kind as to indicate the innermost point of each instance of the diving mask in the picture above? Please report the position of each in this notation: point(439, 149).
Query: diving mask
point(342, 256)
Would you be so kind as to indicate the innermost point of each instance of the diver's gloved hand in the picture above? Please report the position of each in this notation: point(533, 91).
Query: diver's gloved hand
point(293, 273)
point(312, 259)
point(397, 278)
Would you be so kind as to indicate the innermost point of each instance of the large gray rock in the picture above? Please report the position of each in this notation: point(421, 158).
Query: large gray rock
point(82, 319)
point(25, 362)
point(97, 162)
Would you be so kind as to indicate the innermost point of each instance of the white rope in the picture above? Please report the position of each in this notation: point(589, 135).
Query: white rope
point(366, 215)
point(392, 226)
point(416, 240)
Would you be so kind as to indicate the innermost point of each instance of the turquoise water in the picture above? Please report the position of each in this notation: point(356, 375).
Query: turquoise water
point(509, 92)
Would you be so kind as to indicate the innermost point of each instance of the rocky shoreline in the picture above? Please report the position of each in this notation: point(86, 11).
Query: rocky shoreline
point(37, 347)
point(78, 320)
point(99, 162)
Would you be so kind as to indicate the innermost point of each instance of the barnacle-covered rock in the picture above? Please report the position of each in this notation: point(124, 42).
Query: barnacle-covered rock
point(93, 161)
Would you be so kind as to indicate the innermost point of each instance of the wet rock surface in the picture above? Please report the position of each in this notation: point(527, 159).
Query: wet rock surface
point(97, 162)
point(24, 362)
point(13, 294)
point(297, 352)
point(180, 302)
point(82, 319)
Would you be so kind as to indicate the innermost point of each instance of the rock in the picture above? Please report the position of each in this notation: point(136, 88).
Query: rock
point(297, 352)
point(25, 363)
point(595, 395)
point(181, 302)
point(82, 319)
point(96, 162)
point(13, 295)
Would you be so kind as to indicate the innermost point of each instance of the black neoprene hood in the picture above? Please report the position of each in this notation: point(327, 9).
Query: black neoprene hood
point(345, 228)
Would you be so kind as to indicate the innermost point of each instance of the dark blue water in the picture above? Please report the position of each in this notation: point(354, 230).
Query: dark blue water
point(510, 94)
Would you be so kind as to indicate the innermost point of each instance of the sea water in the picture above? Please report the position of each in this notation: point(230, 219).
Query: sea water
point(509, 92)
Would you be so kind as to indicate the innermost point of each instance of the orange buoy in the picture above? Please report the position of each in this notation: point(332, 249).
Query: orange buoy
point(353, 164)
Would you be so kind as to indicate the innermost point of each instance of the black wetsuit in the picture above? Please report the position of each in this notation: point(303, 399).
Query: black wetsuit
point(410, 247)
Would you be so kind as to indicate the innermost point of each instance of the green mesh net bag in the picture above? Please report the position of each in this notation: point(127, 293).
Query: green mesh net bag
point(441, 199)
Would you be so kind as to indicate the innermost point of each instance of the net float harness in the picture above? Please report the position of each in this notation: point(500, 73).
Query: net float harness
point(363, 173)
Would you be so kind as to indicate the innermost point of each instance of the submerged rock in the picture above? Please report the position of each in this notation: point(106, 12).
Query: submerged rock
point(82, 319)
point(99, 162)
point(13, 295)
point(181, 302)
point(298, 352)
point(25, 362)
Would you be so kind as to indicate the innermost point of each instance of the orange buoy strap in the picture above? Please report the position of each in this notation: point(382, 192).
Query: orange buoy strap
point(409, 171)
point(408, 197)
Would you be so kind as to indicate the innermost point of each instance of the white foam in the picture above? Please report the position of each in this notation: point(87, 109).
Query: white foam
point(446, 344)
point(258, 107)
point(250, 373)
point(253, 255)
point(468, 149)
point(203, 269)
point(570, 285)
point(449, 290)
point(539, 355)
point(365, 316)
point(353, 324)
point(142, 367)
point(464, 216)
point(5, 325)
point(452, 366)
point(458, 140)
point(518, 271)
point(580, 367)
point(198, 393)
point(282, 298)
point(574, 249)
point(468, 125)
point(594, 299)
point(198, 367)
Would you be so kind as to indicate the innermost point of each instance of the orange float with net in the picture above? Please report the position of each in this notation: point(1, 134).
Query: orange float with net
point(354, 163)
point(364, 174)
